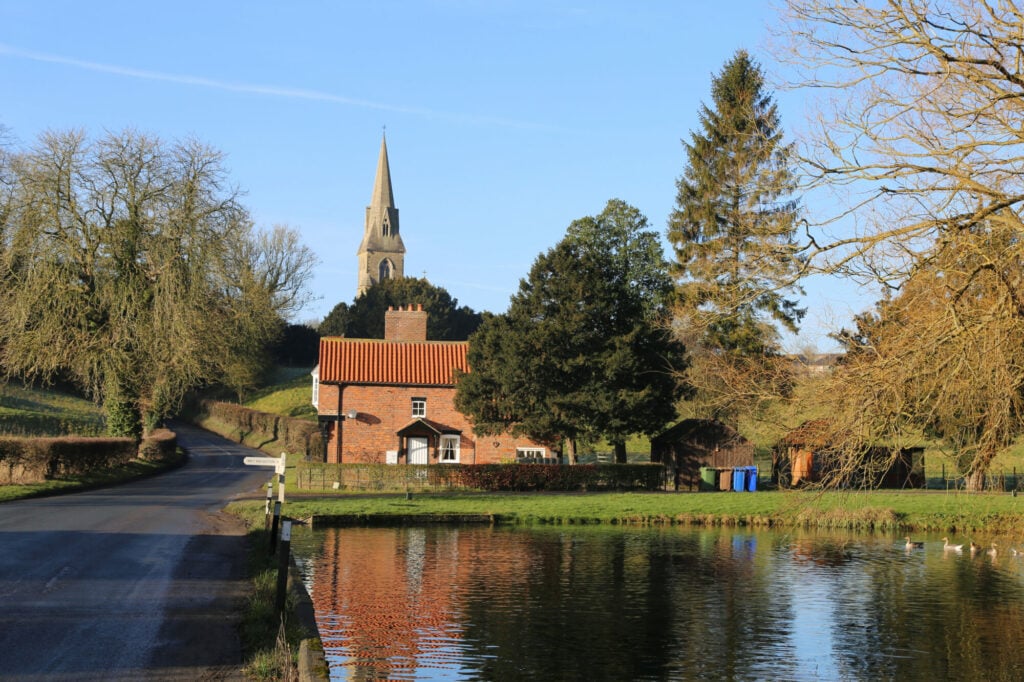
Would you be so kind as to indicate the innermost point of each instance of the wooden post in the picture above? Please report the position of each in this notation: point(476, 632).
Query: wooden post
point(282, 564)
point(266, 507)
point(273, 527)
point(280, 478)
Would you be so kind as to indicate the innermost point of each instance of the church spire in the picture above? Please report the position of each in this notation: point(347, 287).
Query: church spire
point(381, 254)
point(383, 196)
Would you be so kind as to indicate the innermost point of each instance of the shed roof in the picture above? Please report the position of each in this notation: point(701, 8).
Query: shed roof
point(705, 431)
point(377, 361)
point(816, 433)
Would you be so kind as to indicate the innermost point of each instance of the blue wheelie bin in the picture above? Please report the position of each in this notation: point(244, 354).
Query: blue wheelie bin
point(739, 479)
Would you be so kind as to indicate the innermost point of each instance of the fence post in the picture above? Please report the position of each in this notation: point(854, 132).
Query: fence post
point(266, 507)
point(273, 527)
point(280, 478)
point(282, 564)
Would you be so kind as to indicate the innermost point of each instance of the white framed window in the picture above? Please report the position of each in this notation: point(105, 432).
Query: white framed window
point(419, 407)
point(449, 449)
point(316, 386)
point(530, 455)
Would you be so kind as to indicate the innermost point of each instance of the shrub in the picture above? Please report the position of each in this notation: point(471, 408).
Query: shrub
point(33, 460)
point(261, 429)
point(488, 477)
point(159, 445)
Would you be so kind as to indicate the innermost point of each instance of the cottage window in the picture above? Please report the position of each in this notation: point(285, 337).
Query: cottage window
point(449, 449)
point(316, 387)
point(419, 407)
point(530, 455)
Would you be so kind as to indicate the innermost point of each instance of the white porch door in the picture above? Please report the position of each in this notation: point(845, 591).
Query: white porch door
point(418, 451)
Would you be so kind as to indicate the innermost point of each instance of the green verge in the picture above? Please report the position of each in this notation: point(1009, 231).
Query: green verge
point(130, 471)
point(938, 511)
point(270, 651)
point(270, 643)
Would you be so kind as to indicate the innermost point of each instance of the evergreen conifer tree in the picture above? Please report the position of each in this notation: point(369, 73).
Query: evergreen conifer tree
point(732, 229)
point(583, 351)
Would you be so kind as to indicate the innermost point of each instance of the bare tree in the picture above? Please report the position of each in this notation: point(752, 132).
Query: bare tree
point(920, 141)
point(130, 266)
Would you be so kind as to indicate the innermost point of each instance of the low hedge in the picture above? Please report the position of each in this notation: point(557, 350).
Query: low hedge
point(486, 477)
point(261, 429)
point(34, 460)
point(159, 445)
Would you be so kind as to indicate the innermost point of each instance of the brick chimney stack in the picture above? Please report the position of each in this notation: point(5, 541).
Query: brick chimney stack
point(405, 324)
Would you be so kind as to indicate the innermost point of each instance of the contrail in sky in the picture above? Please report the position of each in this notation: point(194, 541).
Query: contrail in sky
point(263, 90)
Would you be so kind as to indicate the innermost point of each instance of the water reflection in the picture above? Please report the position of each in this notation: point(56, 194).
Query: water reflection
point(466, 603)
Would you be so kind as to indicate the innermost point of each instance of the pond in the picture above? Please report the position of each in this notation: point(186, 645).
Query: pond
point(600, 603)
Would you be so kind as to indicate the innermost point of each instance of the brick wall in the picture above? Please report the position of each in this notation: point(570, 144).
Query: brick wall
point(405, 324)
point(384, 410)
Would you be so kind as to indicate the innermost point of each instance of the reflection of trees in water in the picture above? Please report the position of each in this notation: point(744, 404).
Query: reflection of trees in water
point(928, 615)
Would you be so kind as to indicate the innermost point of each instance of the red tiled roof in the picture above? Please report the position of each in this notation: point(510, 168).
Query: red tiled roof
point(376, 361)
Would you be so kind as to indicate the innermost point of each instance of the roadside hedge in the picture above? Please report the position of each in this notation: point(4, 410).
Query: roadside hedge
point(486, 477)
point(160, 444)
point(34, 460)
point(25, 460)
point(271, 432)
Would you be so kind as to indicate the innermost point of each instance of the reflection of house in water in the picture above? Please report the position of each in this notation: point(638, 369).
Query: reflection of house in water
point(695, 443)
point(392, 598)
point(806, 455)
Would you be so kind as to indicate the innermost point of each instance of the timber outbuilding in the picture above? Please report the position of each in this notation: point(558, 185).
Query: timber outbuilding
point(808, 455)
point(695, 444)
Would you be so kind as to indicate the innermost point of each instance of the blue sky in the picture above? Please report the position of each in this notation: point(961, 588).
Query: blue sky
point(506, 120)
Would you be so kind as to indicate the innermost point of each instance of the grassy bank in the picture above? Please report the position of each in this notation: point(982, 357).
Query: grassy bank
point(954, 512)
point(33, 411)
point(269, 649)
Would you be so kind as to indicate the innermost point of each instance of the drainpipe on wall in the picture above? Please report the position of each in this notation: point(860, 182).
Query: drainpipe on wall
point(338, 424)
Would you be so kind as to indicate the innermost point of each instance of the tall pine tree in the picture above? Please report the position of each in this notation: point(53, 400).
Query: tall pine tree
point(732, 229)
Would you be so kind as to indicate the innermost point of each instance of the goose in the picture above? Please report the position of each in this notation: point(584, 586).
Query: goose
point(975, 547)
point(913, 545)
point(992, 551)
point(951, 548)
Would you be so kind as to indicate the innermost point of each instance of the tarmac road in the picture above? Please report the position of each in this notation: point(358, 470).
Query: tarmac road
point(141, 581)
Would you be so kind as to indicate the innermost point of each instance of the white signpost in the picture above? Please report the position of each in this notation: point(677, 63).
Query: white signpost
point(279, 465)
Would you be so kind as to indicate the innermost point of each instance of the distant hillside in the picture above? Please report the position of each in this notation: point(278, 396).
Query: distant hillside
point(27, 411)
point(289, 396)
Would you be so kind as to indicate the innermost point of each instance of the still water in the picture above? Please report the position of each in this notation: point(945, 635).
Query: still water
point(585, 603)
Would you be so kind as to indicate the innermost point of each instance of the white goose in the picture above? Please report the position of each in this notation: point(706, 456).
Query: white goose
point(951, 548)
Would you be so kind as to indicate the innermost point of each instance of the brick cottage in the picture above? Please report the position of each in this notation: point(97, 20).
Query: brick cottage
point(393, 400)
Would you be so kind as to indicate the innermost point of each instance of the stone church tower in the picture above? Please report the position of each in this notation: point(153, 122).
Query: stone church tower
point(381, 253)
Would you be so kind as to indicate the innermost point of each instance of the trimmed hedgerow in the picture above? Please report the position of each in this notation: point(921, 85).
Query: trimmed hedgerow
point(487, 477)
point(33, 460)
point(271, 432)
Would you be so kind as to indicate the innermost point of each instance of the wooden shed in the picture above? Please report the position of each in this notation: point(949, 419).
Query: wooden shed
point(695, 443)
point(805, 456)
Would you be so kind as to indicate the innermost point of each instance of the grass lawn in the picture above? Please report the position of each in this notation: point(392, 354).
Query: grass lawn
point(26, 411)
point(954, 512)
point(289, 396)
